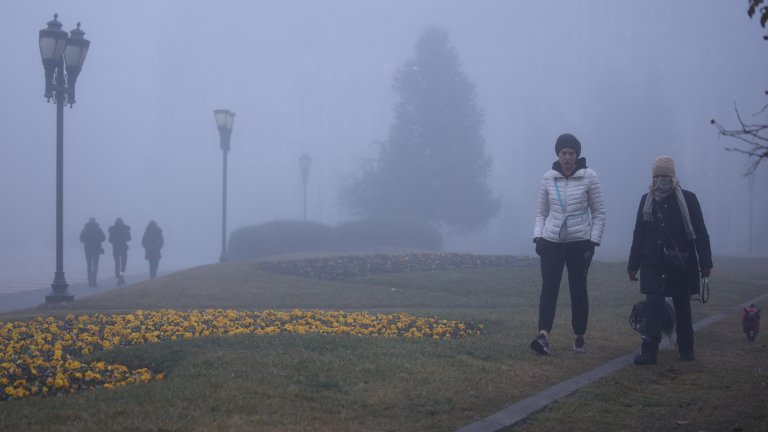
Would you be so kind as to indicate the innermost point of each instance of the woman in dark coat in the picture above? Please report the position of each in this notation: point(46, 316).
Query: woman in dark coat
point(152, 242)
point(670, 247)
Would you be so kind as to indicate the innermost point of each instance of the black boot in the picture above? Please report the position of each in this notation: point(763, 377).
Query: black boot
point(685, 348)
point(648, 351)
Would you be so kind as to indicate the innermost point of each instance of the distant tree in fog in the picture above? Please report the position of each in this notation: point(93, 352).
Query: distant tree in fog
point(755, 136)
point(432, 167)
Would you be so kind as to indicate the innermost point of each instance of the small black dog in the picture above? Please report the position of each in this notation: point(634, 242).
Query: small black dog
point(750, 321)
point(637, 319)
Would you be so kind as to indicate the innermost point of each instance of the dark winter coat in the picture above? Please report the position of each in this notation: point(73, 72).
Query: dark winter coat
point(92, 236)
point(152, 241)
point(119, 235)
point(649, 241)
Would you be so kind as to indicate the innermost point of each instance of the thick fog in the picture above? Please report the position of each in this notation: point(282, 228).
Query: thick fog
point(632, 80)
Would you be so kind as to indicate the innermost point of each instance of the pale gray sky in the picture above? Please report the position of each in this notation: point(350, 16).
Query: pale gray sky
point(631, 80)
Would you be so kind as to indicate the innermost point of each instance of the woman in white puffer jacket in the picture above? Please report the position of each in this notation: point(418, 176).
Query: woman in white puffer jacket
point(569, 224)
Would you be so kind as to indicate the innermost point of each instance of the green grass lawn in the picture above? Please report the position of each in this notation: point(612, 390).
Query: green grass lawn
point(290, 382)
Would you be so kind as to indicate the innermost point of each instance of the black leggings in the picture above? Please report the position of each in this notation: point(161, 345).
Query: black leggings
point(576, 256)
point(654, 309)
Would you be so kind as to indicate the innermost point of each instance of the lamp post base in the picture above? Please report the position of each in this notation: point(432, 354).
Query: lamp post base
point(56, 298)
point(59, 293)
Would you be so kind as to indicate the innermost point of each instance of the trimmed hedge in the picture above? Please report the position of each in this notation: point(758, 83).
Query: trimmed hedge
point(282, 237)
point(279, 237)
point(389, 233)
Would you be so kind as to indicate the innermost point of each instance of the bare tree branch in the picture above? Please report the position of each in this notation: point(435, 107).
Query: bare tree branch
point(755, 136)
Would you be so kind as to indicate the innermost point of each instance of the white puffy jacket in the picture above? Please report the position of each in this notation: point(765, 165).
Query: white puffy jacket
point(582, 198)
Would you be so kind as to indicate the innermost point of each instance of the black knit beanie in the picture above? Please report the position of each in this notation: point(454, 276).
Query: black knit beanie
point(567, 140)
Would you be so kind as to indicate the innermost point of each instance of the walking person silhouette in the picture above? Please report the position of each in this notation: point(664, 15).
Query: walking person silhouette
point(92, 236)
point(152, 242)
point(119, 236)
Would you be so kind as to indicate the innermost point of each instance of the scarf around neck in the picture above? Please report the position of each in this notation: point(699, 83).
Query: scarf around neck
point(660, 189)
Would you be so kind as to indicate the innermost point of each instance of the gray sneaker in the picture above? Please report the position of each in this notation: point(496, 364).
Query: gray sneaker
point(578, 344)
point(540, 344)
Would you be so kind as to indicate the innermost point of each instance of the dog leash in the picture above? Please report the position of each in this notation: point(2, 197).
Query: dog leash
point(704, 290)
point(703, 282)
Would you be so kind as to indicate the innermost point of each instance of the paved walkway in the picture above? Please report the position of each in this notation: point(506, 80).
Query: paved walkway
point(34, 298)
point(520, 410)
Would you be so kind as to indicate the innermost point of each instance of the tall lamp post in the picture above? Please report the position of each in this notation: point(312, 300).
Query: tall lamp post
point(304, 163)
point(63, 57)
point(224, 120)
point(751, 180)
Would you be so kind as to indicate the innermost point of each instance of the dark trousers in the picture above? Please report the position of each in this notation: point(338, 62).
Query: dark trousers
point(92, 262)
point(121, 260)
point(153, 264)
point(654, 310)
point(576, 256)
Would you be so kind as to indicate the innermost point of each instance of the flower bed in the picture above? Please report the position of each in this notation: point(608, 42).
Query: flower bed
point(39, 357)
point(346, 267)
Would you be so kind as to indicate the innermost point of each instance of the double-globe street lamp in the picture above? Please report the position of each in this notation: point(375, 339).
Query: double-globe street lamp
point(304, 163)
point(225, 119)
point(63, 57)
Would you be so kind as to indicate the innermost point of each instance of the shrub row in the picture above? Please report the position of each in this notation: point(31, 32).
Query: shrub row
point(282, 237)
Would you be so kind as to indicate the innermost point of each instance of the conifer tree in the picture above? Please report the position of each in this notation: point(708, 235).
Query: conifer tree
point(432, 167)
